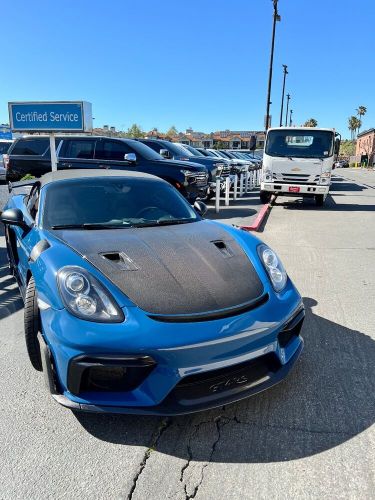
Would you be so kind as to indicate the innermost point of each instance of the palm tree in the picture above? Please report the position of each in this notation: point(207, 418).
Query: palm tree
point(353, 124)
point(311, 123)
point(361, 111)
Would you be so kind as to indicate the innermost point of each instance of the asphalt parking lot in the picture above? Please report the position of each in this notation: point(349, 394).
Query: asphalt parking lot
point(312, 436)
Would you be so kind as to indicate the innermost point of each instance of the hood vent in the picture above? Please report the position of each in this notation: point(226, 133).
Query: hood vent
point(223, 247)
point(120, 260)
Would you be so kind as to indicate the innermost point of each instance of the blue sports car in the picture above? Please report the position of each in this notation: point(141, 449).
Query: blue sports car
point(136, 304)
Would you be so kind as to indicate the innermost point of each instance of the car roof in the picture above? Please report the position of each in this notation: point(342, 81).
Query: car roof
point(62, 175)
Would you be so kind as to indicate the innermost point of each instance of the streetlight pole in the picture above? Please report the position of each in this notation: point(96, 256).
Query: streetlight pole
point(290, 118)
point(282, 97)
point(276, 17)
point(287, 109)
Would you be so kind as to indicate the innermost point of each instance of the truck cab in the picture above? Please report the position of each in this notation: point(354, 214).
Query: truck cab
point(298, 161)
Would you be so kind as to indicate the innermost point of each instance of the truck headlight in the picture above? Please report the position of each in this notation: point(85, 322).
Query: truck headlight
point(86, 298)
point(273, 266)
point(325, 178)
point(267, 175)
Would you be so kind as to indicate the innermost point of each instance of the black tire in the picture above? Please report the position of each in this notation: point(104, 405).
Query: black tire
point(265, 196)
point(31, 324)
point(319, 200)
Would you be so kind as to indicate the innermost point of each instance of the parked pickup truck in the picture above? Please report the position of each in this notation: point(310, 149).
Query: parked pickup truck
point(31, 155)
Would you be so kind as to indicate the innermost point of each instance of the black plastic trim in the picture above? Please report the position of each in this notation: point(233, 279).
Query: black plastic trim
point(209, 316)
point(169, 407)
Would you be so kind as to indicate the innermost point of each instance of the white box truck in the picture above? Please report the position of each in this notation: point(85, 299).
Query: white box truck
point(298, 161)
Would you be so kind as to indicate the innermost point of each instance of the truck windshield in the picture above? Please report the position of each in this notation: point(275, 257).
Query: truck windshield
point(300, 143)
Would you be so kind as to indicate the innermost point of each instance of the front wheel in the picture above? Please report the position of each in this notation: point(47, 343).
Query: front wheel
point(320, 199)
point(265, 196)
point(31, 322)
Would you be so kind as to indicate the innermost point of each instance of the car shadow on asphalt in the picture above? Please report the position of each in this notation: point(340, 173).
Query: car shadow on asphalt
point(327, 400)
point(10, 298)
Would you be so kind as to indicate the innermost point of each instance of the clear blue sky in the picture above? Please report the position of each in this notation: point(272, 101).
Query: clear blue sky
point(193, 63)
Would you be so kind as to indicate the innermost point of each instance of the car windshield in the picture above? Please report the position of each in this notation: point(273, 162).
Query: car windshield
point(176, 150)
point(143, 150)
point(193, 151)
point(4, 146)
point(300, 143)
point(113, 202)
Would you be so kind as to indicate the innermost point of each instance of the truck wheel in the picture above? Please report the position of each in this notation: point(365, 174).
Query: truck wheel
point(320, 199)
point(265, 196)
point(31, 322)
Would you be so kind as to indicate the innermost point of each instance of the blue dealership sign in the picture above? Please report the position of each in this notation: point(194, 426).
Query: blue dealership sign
point(60, 116)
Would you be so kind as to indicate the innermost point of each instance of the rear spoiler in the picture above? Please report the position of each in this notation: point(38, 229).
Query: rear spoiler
point(19, 184)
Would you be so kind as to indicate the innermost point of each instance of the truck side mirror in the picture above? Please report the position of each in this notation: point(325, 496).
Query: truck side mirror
point(131, 157)
point(165, 154)
point(337, 146)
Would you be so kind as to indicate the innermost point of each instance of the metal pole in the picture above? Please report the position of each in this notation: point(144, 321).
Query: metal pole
point(282, 97)
point(227, 189)
point(217, 195)
point(241, 184)
point(287, 109)
point(290, 118)
point(235, 187)
point(276, 17)
point(52, 147)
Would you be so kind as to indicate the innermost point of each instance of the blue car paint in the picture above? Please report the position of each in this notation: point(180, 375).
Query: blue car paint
point(179, 349)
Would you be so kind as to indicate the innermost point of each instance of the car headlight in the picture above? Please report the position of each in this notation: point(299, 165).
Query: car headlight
point(85, 297)
point(274, 267)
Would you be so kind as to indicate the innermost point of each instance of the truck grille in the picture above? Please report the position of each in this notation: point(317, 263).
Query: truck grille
point(223, 170)
point(201, 178)
point(287, 178)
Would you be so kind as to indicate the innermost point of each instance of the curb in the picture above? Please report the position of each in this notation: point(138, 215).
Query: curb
point(260, 217)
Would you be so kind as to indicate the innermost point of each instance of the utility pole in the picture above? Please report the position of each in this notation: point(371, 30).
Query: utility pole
point(282, 96)
point(287, 109)
point(290, 118)
point(276, 17)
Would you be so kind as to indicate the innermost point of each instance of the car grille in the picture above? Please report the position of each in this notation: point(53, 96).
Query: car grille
point(234, 378)
point(223, 170)
point(287, 178)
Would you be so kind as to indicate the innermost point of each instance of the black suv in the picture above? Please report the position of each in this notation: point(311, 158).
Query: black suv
point(216, 167)
point(31, 155)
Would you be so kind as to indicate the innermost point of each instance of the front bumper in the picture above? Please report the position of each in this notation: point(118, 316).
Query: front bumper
point(291, 189)
point(190, 367)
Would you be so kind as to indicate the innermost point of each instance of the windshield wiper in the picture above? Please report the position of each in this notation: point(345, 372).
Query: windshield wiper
point(167, 222)
point(89, 226)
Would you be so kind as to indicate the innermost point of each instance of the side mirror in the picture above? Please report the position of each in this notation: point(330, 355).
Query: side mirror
point(165, 154)
point(200, 207)
point(131, 157)
point(337, 146)
point(253, 142)
point(13, 217)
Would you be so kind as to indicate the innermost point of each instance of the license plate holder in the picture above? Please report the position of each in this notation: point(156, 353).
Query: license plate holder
point(294, 189)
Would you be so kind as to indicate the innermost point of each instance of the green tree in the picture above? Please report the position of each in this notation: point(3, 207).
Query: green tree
point(135, 131)
point(172, 132)
point(311, 123)
point(219, 145)
point(361, 111)
point(347, 148)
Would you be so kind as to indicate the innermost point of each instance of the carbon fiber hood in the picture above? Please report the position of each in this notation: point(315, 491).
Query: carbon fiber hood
point(182, 269)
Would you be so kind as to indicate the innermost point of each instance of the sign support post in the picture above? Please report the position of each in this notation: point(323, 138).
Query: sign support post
point(52, 147)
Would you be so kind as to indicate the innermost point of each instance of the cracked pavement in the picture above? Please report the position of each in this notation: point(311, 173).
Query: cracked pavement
point(311, 436)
